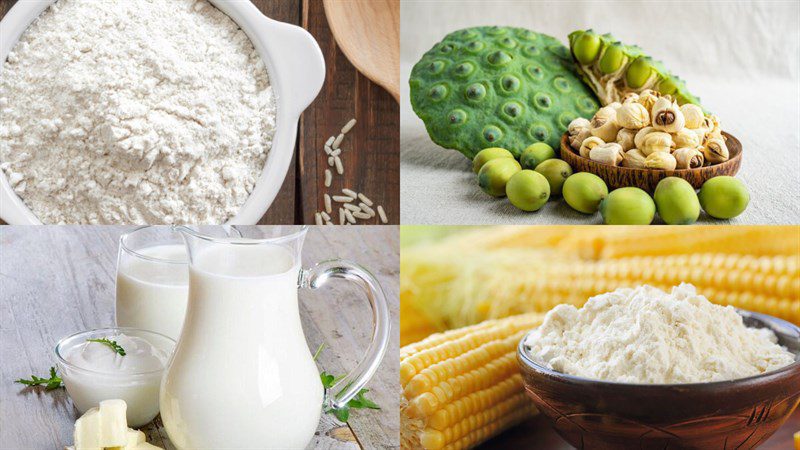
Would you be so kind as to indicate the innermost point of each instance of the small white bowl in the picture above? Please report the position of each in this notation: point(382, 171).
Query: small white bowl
point(296, 70)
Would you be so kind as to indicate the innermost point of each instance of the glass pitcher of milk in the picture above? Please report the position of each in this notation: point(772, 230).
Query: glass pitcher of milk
point(152, 280)
point(242, 375)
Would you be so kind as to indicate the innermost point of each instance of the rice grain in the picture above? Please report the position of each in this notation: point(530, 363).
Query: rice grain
point(328, 177)
point(349, 126)
point(338, 163)
point(350, 193)
point(317, 218)
point(349, 216)
point(338, 141)
point(361, 215)
point(351, 207)
point(342, 199)
point(364, 199)
point(329, 141)
point(382, 214)
point(341, 216)
point(364, 207)
point(328, 207)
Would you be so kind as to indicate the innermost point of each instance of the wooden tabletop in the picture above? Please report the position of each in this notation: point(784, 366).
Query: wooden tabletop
point(55, 281)
point(371, 151)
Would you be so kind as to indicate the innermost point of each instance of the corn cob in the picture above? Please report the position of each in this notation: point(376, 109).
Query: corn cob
point(463, 386)
point(469, 288)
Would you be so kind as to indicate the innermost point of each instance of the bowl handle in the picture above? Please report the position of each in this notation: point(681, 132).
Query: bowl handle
point(299, 63)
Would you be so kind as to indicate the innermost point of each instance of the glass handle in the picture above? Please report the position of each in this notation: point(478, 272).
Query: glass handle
point(349, 386)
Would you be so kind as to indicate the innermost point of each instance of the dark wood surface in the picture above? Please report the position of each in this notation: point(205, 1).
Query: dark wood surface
point(537, 434)
point(57, 280)
point(371, 155)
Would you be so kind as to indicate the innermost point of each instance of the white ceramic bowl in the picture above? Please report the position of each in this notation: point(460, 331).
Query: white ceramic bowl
point(296, 70)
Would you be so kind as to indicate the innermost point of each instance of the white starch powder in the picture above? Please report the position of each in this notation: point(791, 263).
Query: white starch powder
point(648, 336)
point(134, 111)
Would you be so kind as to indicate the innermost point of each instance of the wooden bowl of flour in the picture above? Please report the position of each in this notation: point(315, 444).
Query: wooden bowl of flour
point(739, 413)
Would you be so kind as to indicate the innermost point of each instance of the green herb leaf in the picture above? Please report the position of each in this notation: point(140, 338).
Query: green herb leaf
point(111, 344)
point(360, 401)
point(54, 382)
point(319, 350)
point(343, 414)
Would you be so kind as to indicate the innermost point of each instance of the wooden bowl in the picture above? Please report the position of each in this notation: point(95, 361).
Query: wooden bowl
point(647, 179)
point(741, 413)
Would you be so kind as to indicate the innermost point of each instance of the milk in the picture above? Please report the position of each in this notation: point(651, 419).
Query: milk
point(242, 375)
point(93, 372)
point(152, 295)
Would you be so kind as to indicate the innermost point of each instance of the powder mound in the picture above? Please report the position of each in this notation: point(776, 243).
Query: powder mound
point(134, 111)
point(648, 336)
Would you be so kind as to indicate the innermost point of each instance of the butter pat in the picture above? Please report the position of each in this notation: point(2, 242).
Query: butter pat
point(106, 428)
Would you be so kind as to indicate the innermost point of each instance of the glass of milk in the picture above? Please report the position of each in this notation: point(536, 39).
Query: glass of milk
point(93, 371)
point(152, 280)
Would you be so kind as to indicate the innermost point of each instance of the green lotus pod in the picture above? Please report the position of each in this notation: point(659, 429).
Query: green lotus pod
point(586, 47)
point(498, 87)
point(622, 69)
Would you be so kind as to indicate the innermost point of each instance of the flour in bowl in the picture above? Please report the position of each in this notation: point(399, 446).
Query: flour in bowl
point(649, 336)
point(134, 111)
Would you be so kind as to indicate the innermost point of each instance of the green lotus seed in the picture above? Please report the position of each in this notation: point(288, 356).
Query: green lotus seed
point(638, 72)
point(542, 100)
point(628, 206)
point(487, 155)
point(476, 91)
point(475, 46)
point(464, 69)
point(435, 67)
point(510, 83)
point(584, 191)
point(512, 110)
point(612, 59)
point(556, 171)
point(528, 190)
point(496, 31)
point(539, 132)
point(667, 86)
point(446, 48)
point(535, 72)
point(494, 175)
point(561, 85)
point(532, 50)
point(499, 58)
point(586, 47)
point(457, 116)
point(724, 197)
point(676, 201)
point(492, 134)
point(438, 92)
point(535, 154)
point(508, 42)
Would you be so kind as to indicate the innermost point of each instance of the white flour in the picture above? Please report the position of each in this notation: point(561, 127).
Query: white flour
point(134, 111)
point(648, 336)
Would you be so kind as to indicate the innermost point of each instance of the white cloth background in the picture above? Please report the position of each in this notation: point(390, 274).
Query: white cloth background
point(741, 58)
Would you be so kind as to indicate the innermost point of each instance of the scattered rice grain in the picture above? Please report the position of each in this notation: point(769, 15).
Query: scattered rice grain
point(328, 207)
point(338, 141)
point(328, 150)
point(351, 207)
point(364, 199)
point(336, 152)
point(338, 162)
point(349, 126)
point(341, 216)
point(325, 216)
point(364, 207)
point(342, 199)
point(350, 193)
point(330, 141)
point(349, 216)
point(328, 177)
point(328, 222)
point(362, 215)
point(317, 218)
point(331, 161)
point(382, 214)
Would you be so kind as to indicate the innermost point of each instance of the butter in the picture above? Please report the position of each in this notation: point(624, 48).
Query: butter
point(106, 428)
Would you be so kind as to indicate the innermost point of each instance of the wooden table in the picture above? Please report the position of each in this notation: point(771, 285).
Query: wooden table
point(537, 434)
point(371, 155)
point(55, 281)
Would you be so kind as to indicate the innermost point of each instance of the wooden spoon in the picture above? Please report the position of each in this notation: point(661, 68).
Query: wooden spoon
point(368, 32)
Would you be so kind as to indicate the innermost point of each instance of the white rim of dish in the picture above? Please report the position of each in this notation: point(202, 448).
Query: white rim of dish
point(296, 70)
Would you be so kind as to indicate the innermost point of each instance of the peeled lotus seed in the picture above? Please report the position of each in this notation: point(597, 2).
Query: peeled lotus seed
point(604, 124)
point(667, 116)
point(633, 116)
point(716, 131)
point(588, 144)
point(610, 153)
point(630, 97)
point(625, 139)
point(686, 138)
point(688, 158)
point(715, 151)
point(693, 115)
point(648, 98)
point(661, 161)
point(657, 142)
point(634, 159)
point(615, 106)
point(578, 130)
point(638, 140)
point(576, 140)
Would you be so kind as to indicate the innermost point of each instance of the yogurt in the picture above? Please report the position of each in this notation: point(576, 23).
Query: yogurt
point(93, 371)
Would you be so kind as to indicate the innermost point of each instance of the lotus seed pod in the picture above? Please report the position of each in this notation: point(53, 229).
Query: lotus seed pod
point(498, 87)
point(588, 144)
point(633, 116)
point(660, 161)
point(639, 72)
point(612, 59)
point(638, 140)
point(667, 116)
point(620, 69)
point(686, 138)
point(625, 139)
point(648, 99)
point(693, 115)
point(604, 124)
point(630, 97)
point(688, 158)
point(634, 159)
point(576, 140)
point(586, 47)
point(610, 153)
point(715, 151)
point(657, 142)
